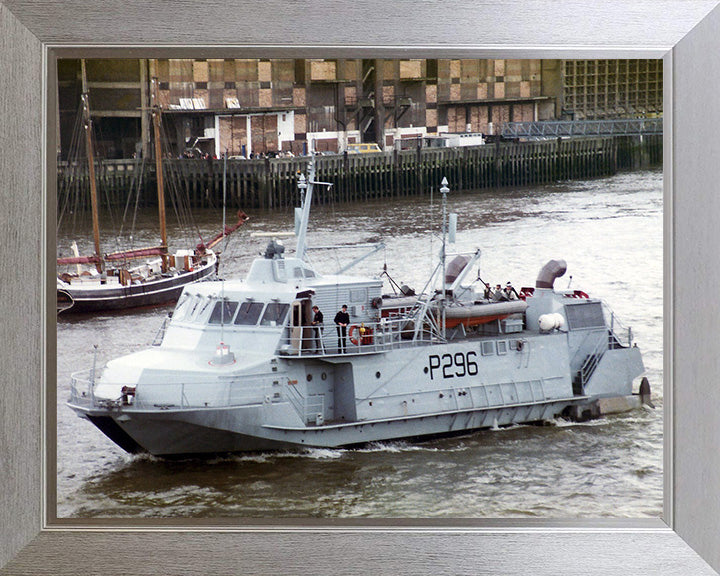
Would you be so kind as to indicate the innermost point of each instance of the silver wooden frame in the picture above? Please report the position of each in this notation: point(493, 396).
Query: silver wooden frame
point(683, 32)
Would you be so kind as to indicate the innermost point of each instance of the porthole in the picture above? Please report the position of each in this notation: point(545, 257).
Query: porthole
point(377, 374)
point(309, 377)
point(323, 376)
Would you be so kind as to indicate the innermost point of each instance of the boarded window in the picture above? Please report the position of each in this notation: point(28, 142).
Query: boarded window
point(358, 295)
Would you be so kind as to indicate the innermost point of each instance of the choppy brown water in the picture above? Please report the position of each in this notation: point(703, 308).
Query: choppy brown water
point(610, 233)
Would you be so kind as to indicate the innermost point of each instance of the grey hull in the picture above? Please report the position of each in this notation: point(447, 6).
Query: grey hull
point(178, 433)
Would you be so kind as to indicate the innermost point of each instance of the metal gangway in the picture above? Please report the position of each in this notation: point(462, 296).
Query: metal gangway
point(577, 128)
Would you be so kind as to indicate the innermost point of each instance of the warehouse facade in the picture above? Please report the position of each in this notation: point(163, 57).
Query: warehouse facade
point(291, 106)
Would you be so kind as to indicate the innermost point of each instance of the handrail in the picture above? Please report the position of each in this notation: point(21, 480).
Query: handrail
point(296, 399)
point(593, 359)
point(362, 338)
point(617, 328)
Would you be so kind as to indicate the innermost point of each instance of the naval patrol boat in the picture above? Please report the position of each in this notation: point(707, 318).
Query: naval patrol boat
point(240, 366)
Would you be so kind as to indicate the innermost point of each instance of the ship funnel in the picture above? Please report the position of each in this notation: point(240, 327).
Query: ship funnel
point(552, 270)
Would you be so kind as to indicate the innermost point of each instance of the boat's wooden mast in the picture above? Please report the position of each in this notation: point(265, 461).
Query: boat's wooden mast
point(155, 104)
point(91, 165)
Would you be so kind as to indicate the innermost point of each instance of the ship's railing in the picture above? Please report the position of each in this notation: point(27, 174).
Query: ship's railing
point(311, 409)
point(592, 360)
point(361, 338)
point(620, 336)
point(82, 388)
point(200, 394)
point(607, 340)
point(211, 394)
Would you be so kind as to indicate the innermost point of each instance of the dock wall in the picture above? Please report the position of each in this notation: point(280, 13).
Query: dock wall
point(272, 183)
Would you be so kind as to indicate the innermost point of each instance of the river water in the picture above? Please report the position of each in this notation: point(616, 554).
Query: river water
point(610, 233)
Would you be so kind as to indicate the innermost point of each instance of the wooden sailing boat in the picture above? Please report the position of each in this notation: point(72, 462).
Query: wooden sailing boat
point(137, 277)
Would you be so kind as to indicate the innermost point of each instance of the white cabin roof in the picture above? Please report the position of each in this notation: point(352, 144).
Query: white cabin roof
point(278, 278)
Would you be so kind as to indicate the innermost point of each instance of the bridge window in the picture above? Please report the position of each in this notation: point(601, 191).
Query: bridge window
point(275, 314)
point(184, 305)
point(223, 312)
point(201, 309)
point(249, 313)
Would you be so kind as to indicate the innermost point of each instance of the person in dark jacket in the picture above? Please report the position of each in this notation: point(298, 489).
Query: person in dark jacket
point(317, 323)
point(342, 319)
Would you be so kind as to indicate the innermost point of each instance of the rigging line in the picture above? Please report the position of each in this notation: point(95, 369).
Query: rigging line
point(74, 193)
point(180, 195)
point(69, 198)
point(169, 181)
point(101, 170)
point(127, 201)
point(63, 188)
point(140, 181)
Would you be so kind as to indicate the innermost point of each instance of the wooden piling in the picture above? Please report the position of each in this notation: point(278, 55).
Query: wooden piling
point(271, 183)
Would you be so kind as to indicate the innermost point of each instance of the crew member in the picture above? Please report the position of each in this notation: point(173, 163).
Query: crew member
point(317, 323)
point(499, 295)
point(488, 291)
point(342, 319)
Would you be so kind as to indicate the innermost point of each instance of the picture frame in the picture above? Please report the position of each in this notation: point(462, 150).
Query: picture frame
point(33, 35)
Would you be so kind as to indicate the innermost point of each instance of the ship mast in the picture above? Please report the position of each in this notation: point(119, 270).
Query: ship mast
point(91, 166)
point(444, 191)
point(155, 105)
point(306, 199)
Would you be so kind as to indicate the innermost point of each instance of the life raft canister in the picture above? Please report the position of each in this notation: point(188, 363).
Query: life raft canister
point(364, 335)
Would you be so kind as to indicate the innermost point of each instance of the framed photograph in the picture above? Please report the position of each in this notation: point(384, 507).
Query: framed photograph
point(488, 366)
point(40, 536)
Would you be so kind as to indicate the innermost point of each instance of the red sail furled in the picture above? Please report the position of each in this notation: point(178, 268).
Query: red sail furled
point(242, 218)
point(137, 253)
point(79, 260)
